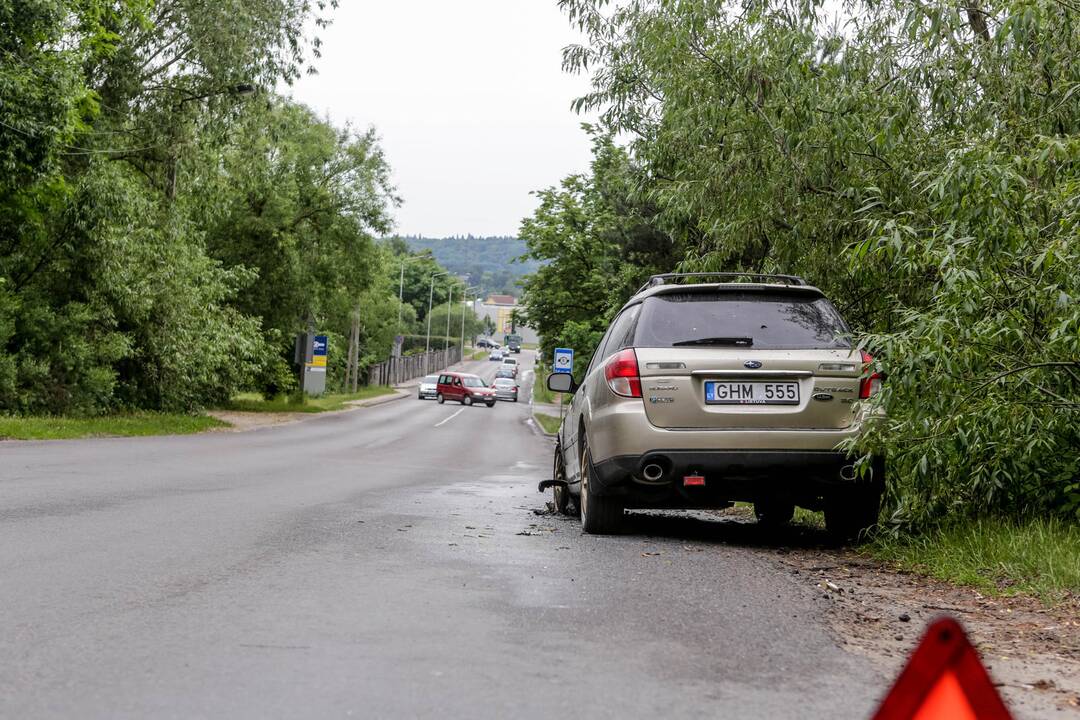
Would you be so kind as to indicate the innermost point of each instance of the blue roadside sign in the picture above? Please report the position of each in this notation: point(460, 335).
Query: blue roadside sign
point(564, 360)
point(319, 347)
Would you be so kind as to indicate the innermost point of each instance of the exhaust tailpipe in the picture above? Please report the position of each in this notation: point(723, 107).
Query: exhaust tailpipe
point(847, 473)
point(652, 472)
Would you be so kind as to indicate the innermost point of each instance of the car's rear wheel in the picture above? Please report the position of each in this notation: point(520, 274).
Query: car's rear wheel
point(440, 398)
point(773, 513)
point(600, 515)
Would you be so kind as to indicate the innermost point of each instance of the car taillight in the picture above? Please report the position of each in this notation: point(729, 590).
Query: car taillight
point(869, 384)
point(621, 372)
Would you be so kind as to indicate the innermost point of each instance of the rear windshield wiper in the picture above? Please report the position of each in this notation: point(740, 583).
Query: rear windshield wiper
point(735, 341)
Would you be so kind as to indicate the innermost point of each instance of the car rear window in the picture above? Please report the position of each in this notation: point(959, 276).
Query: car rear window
point(504, 382)
point(770, 321)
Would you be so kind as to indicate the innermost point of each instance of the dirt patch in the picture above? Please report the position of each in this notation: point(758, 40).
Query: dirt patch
point(880, 612)
point(241, 421)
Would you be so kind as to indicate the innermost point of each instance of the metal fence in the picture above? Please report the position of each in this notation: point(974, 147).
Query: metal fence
point(403, 369)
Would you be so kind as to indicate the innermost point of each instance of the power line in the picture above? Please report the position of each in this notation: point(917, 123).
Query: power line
point(77, 150)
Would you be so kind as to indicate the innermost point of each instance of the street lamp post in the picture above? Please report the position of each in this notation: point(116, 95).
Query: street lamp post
point(430, 297)
point(463, 307)
point(401, 287)
point(446, 347)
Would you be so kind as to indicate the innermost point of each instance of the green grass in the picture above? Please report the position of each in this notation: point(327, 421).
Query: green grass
point(253, 402)
point(541, 394)
point(548, 423)
point(1038, 557)
point(135, 424)
point(809, 518)
point(480, 354)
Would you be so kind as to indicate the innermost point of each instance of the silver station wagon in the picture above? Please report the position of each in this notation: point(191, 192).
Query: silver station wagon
point(705, 393)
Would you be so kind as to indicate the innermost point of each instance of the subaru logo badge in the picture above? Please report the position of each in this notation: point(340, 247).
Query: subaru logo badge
point(752, 364)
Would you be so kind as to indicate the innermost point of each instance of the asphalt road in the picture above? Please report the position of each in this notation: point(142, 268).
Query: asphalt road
point(385, 562)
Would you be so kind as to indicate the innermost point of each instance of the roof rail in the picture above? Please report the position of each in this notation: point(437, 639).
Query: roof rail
point(781, 279)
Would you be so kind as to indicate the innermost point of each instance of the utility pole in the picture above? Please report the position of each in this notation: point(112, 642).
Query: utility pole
point(354, 354)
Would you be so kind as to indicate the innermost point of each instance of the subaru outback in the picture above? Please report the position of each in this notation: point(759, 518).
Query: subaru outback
point(701, 394)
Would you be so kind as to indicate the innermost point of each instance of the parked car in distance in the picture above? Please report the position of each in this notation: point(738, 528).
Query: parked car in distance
point(428, 387)
point(486, 343)
point(496, 355)
point(505, 388)
point(465, 388)
point(702, 393)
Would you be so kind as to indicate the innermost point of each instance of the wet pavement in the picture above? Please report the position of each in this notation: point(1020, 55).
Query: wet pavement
point(394, 561)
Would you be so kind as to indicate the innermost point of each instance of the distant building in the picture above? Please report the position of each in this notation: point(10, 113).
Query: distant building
point(500, 309)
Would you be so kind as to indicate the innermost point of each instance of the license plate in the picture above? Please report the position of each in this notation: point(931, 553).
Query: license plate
point(751, 393)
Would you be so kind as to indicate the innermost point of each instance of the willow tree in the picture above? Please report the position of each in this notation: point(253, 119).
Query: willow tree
point(919, 161)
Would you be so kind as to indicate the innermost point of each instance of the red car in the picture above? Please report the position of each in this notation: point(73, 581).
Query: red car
point(466, 389)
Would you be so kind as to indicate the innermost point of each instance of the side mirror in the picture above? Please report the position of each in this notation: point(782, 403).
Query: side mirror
point(561, 383)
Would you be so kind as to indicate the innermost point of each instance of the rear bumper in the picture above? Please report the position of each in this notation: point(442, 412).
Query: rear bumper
point(623, 428)
point(506, 396)
point(801, 476)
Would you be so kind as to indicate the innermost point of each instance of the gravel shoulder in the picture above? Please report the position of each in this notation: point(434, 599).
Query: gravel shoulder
point(1032, 651)
point(879, 612)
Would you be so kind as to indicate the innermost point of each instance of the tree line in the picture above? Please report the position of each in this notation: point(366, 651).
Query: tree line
point(920, 162)
point(168, 222)
point(495, 264)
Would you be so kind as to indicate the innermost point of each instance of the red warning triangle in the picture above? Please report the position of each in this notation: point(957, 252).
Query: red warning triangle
point(944, 678)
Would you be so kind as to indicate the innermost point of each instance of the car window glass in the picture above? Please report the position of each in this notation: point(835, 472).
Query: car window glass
point(598, 353)
point(621, 334)
point(762, 320)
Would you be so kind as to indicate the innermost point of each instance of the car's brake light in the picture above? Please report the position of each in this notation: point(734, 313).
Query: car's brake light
point(869, 384)
point(621, 372)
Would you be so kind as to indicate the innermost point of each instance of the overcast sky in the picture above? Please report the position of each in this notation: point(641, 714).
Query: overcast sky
point(470, 101)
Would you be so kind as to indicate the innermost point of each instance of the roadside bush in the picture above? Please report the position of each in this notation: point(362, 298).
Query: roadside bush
point(919, 162)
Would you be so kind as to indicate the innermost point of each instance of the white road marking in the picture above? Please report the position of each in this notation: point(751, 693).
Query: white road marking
point(442, 422)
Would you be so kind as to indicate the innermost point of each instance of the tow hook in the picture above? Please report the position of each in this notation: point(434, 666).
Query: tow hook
point(545, 484)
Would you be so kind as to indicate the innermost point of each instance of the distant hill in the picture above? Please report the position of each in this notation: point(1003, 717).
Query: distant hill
point(490, 262)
